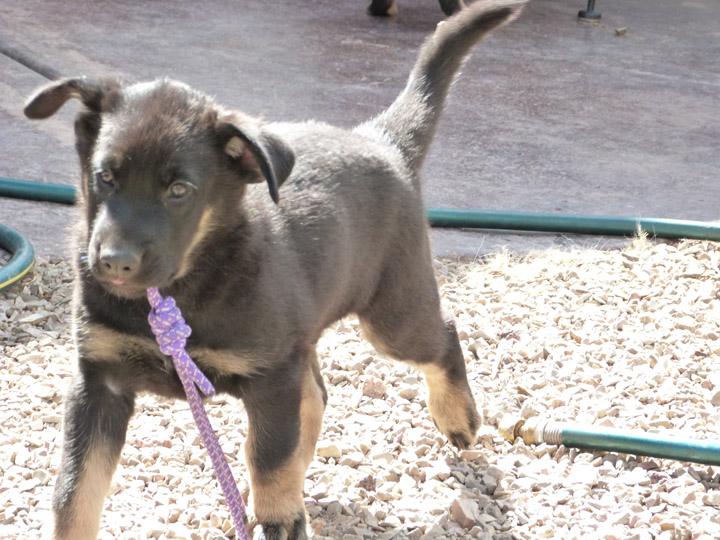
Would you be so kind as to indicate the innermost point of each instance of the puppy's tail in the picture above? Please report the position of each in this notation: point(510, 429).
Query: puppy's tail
point(410, 122)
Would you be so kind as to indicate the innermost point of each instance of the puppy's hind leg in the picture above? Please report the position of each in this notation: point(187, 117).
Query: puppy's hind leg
point(95, 425)
point(450, 399)
point(285, 409)
point(404, 321)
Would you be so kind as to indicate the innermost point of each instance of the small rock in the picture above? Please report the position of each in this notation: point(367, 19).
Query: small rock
point(637, 477)
point(317, 526)
point(463, 512)
point(328, 450)
point(35, 358)
point(383, 456)
point(408, 392)
point(155, 532)
point(373, 388)
point(439, 471)
point(368, 483)
point(712, 498)
point(174, 515)
point(471, 455)
point(369, 519)
point(715, 399)
point(353, 459)
point(319, 491)
point(33, 318)
point(620, 519)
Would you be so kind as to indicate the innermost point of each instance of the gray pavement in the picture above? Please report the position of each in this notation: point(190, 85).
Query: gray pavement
point(550, 114)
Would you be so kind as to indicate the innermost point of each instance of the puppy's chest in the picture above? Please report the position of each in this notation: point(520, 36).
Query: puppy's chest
point(137, 359)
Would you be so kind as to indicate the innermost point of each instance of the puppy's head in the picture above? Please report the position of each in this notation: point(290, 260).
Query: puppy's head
point(162, 167)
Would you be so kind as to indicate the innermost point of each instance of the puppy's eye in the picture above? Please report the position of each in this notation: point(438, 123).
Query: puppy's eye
point(179, 190)
point(104, 177)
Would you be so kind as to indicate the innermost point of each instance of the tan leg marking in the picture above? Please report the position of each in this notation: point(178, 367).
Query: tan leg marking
point(278, 497)
point(451, 406)
point(88, 499)
point(312, 408)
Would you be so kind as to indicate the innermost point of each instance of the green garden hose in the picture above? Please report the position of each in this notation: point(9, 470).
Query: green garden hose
point(446, 217)
point(461, 219)
point(572, 223)
point(571, 435)
point(23, 256)
point(37, 191)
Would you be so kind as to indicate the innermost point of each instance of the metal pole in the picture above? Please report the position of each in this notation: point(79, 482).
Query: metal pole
point(589, 14)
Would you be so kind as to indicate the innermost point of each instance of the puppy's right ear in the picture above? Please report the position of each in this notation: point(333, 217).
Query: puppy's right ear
point(48, 99)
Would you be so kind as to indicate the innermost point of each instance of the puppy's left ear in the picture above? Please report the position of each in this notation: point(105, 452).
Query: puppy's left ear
point(257, 153)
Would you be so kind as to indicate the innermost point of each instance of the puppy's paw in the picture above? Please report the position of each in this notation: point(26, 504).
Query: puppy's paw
point(297, 530)
point(452, 405)
point(467, 437)
point(461, 430)
point(455, 415)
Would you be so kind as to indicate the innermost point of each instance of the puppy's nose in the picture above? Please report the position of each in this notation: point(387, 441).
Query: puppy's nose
point(119, 263)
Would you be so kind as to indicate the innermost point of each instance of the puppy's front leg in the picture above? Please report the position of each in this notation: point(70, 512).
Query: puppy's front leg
point(285, 411)
point(95, 424)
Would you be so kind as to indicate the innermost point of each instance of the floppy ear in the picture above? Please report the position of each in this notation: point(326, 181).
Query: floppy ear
point(48, 99)
point(258, 154)
point(96, 97)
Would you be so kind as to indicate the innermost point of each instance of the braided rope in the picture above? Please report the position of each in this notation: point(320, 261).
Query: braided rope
point(171, 333)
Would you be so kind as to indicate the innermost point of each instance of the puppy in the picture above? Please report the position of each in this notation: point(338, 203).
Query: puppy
point(169, 201)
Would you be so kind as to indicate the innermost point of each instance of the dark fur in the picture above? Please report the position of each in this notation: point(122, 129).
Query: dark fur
point(168, 200)
point(388, 8)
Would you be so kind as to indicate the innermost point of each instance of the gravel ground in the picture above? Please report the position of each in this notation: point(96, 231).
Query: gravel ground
point(629, 339)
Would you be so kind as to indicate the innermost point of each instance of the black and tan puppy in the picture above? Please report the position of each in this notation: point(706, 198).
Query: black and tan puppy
point(168, 200)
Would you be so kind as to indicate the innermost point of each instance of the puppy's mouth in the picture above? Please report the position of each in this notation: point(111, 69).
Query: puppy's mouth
point(130, 288)
point(123, 289)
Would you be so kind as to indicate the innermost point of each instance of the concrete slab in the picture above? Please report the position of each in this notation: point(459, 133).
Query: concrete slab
point(549, 115)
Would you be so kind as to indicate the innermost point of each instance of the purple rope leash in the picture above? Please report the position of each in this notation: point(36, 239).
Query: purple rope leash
point(171, 333)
